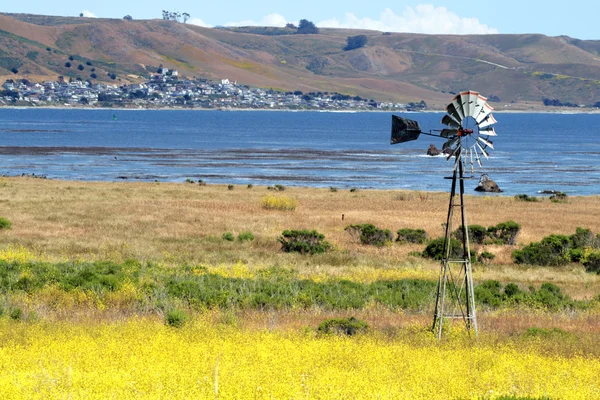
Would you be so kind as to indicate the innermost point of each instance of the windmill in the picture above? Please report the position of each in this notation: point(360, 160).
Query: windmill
point(469, 122)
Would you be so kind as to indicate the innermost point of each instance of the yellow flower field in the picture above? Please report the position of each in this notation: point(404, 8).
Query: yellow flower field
point(143, 358)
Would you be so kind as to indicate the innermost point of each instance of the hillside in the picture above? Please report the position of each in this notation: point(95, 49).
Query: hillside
point(517, 69)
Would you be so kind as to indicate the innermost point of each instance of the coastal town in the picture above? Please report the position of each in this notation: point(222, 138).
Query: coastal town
point(166, 89)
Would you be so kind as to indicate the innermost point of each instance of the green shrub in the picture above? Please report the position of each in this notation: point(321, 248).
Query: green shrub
point(551, 251)
point(524, 197)
point(16, 314)
point(230, 187)
point(188, 180)
point(511, 290)
point(353, 190)
point(407, 235)
point(201, 182)
point(246, 236)
point(303, 241)
point(4, 223)
point(280, 188)
point(582, 238)
point(370, 234)
point(545, 332)
point(559, 197)
point(176, 318)
point(228, 236)
point(550, 296)
point(342, 326)
point(485, 257)
point(575, 255)
point(488, 293)
point(477, 233)
point(592, 262)
point(504, 233)
point(435, 249)
point(250, 186)
point(332, 189)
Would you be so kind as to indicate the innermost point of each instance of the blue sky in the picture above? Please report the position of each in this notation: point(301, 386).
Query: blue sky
point(457, 16)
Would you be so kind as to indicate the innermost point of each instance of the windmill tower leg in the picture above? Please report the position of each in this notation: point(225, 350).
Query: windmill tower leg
point(455, 297)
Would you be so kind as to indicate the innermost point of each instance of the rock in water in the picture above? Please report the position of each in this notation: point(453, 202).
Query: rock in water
point(487, 185)
point(433, 151)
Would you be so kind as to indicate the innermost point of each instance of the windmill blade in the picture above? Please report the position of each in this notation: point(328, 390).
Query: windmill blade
point(489, 120)
point(471, 160)
point(483, 112)
point(450, 121)
point(486, 142)
point(488, 131)
point(458, 157)
point(478, 159)
point(447, 133)
point(453, 152)
point(458, 107)
point(450, 143)
point(468, 100)
point(485, 153)
point(454, 112)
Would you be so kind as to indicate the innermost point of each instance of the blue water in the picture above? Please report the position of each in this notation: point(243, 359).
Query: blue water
point(534, 152)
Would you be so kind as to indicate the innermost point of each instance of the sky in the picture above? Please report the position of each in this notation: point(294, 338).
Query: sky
point(435, 17)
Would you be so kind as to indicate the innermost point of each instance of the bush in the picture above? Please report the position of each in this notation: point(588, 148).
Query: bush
point(303, 241)
point(5, 224)
point(356, 42)
point(16, 314)
point(435, 249)
point(407, 235)
point(524, 197)
point(592, 262)
point(230, 187)
point(551, 251)
point(353, 190)
point(282, 203)
point(582, 238)
point(485, 257)
point(342, 326)
point(280, 188)
point(228, 236)
point(477, 233)
point(176, 318)
point(488, 293)
point(511, 290)
point(250, 186)
point(332, 189)
point(504, 232)
point(201, 182)
point(246, 236)
point(559, 197)
point(370, 234)
point(575, 255)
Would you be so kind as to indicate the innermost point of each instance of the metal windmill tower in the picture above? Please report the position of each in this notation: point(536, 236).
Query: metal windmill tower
point(469, 119)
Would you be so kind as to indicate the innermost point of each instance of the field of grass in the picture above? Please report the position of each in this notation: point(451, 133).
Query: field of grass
point(91, 272)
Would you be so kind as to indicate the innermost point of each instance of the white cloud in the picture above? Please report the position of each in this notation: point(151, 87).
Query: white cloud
point(269, 20)
point(88, 14)
point(199, 22)
point(424, 18)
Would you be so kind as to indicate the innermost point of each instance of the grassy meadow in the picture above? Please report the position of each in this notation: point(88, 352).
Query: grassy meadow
point(93, 273)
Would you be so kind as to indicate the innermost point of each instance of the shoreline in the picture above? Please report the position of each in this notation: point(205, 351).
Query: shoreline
point(565, 111)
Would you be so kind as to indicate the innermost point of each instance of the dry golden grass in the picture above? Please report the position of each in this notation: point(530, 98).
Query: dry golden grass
point(182, 222)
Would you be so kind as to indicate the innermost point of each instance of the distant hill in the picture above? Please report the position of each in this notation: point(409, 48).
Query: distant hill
point(515, 70)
